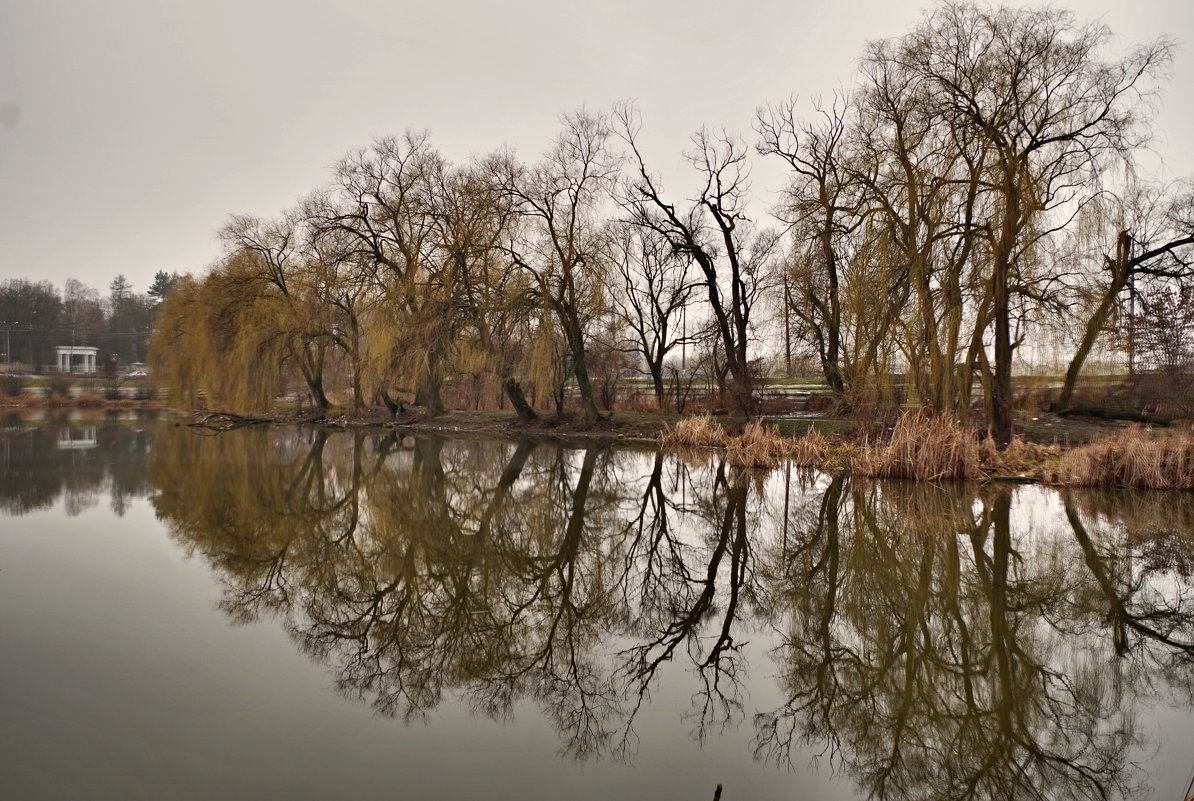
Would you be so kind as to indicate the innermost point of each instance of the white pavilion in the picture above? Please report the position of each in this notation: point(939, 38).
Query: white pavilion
point(75, 358)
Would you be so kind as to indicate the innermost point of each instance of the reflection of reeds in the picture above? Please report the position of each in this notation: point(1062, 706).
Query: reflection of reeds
point(917, 511)
point(1133, 458)
point(923, 447)
point(1159, 526)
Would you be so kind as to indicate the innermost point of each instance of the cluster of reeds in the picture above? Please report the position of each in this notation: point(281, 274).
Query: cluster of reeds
point(1133, 458)
point(759, 445)
point(815, 450)
point(1020, 458)
point(699, 431)
point(923, 447)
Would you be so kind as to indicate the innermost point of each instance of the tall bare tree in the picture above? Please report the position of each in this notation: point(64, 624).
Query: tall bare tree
point(715, 232)
point(651, 290)
point(1033, 88)
point(563, 240)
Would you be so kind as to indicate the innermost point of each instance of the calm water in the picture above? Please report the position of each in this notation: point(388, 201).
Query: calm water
point(298, 614)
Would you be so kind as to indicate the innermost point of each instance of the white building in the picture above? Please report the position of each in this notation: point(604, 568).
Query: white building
point(75, 358)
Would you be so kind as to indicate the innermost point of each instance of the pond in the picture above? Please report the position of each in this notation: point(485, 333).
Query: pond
point(298, 613)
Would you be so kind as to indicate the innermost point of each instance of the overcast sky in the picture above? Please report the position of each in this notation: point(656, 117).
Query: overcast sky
point(131, 129)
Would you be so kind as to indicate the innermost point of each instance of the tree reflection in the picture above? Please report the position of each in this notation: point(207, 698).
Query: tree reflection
point(936, 641)
point(936, 650)
point(494, 571)
point(75, 461)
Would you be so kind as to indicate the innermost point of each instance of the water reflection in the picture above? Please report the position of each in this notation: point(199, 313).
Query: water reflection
point(942, 652)
point(932, 642)
point(78, 461)
point(495, 571)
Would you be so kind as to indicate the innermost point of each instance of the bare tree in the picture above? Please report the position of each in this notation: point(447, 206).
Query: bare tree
point(1032, 87)
point(714, 231)
point(563, 240)
point(1153, 234)
point(651, 290)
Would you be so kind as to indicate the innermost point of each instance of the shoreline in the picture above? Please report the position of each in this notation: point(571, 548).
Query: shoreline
point(1049, 449)
point(827, 444)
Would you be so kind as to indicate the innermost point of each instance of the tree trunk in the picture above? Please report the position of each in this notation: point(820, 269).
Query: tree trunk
point(580, 370)
point(358, 395)
point(427, 394)
point(1094, 327)
point(1001, 387)
point(660, 389)
point(518, 400)
point(1098, 319)
point(395, 405)
point(427, 388)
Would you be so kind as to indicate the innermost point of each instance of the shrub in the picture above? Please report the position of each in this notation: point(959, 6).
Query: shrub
point(59, 386)
point(12, 385)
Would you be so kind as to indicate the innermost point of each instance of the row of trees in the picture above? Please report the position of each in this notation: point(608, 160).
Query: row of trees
point(975, 187)
point(407, 270)
point(36, 317)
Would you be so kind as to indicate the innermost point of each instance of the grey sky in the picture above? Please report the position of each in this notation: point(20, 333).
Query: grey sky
point(131, 129)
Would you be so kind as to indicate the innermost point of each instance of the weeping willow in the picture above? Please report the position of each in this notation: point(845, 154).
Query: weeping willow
point(229, 341)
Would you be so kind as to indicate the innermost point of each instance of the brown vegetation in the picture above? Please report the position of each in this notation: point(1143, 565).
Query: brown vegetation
point(923, 447)
point(699, 431)
point(759, 445)
point(1134, 458)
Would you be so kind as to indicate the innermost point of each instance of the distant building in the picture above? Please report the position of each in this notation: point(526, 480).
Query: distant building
point(75, 358)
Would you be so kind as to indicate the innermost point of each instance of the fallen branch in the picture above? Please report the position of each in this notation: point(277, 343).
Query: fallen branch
point(226, 421)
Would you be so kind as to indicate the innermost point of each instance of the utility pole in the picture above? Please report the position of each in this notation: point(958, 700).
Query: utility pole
point(31, 313)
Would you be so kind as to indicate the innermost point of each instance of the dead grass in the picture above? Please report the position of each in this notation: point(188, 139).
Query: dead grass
point(923, 447)
point(759, 445)
point(813, 450)
point(1133, 458)
point(1021, 459)
point(699, 431)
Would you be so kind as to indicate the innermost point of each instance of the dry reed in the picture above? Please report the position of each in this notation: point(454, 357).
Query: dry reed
point(813, 450)
point(1133, 458)
point(759, 445)
point(699, 431)
point(923, 447)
